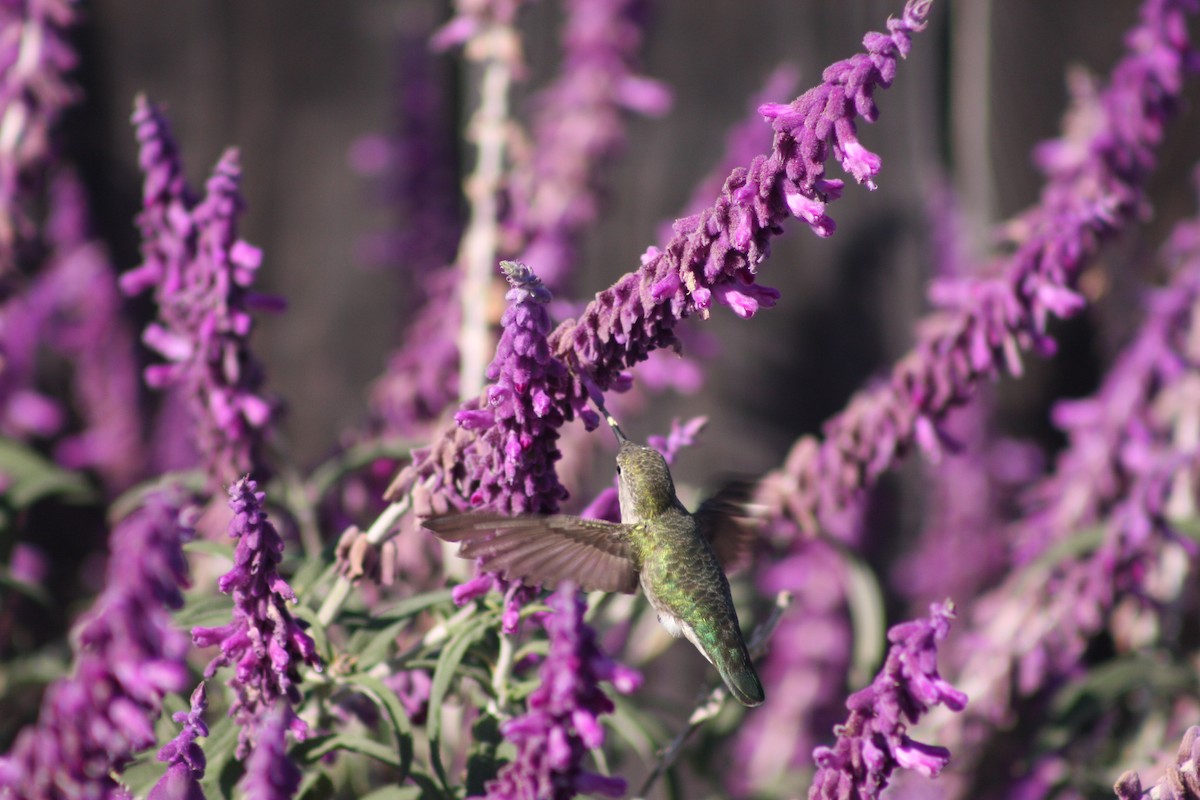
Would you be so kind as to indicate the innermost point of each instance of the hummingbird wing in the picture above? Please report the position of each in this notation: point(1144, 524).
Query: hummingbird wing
point(724, 518)
point(544, 549)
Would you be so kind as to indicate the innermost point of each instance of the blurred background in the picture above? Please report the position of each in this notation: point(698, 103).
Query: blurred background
point(295, 83)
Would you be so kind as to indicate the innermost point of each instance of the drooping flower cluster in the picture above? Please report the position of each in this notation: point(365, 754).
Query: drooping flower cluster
point(35, 58)
point(264, 642)
point(185, 759)
point(714, 254)
point(128, 655)
point(874, 740)
point(1130, 468)
point(577, 128)
point(553, 737)
point(1095, 186)
point(745, 140)
point(201, 274)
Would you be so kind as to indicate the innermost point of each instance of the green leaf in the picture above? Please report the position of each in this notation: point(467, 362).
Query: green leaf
point(193, 481)
point(316, 784)
point(411, 606)
point(482, 763)
point(453, 654)
point(867, 615)
point(330, 472)
point(391, 706)
point(395, 793)
point(313, 749)
point(33, 477)
point(429, 788)
point(140, 776)
point(205, 611)
point(219, 748)
point(371, 647)
point(313, 572)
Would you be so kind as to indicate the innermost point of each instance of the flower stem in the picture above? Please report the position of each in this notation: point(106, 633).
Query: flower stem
point(477, 253)
point(376, 534)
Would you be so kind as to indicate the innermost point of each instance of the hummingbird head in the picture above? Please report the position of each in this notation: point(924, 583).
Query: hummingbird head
point(646, 486)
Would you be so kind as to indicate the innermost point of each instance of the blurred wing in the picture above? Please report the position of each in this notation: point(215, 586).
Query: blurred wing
point(726, 520)
point(536, 549)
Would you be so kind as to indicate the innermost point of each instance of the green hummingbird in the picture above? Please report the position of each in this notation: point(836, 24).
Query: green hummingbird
point(676, 556)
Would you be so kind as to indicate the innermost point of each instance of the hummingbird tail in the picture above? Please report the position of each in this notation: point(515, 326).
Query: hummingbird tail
point(742, 680)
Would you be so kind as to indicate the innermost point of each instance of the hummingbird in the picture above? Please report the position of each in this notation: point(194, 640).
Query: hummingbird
point(676, 556)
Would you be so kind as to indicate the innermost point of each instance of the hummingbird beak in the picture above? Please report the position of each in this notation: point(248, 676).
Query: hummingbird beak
point(612, 423)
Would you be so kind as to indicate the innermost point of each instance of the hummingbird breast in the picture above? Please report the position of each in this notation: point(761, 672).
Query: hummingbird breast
point(684, 582)
point(682, 578)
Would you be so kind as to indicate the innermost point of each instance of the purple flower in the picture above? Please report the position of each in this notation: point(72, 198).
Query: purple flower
point(201, 273)
point(501, 454)
point(264, 641)
point(804, 671)
point(270, 774)
point(35, 58)
point(874, 740)
point(577, 129)
point(984, 323)
point(715, 253)
point(742, 143)
point(553, 736)
point(1129, 447)
point(25, 412)
point(185, 758)
point(79, 284)
point(1182, 781)
point(127, 656)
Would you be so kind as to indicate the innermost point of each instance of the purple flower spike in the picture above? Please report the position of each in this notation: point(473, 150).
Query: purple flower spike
point(718, 250)
point(874, 740)
point(984, 324)
point(501, 455)
point(562, 722)
point(127, 656)
point(201, 273)
point(270, 774)
point(186, 759)
point(35, 57)
point(264, 641)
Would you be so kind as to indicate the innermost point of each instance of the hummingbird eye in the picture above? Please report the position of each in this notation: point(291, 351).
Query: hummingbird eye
point(618, 469)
